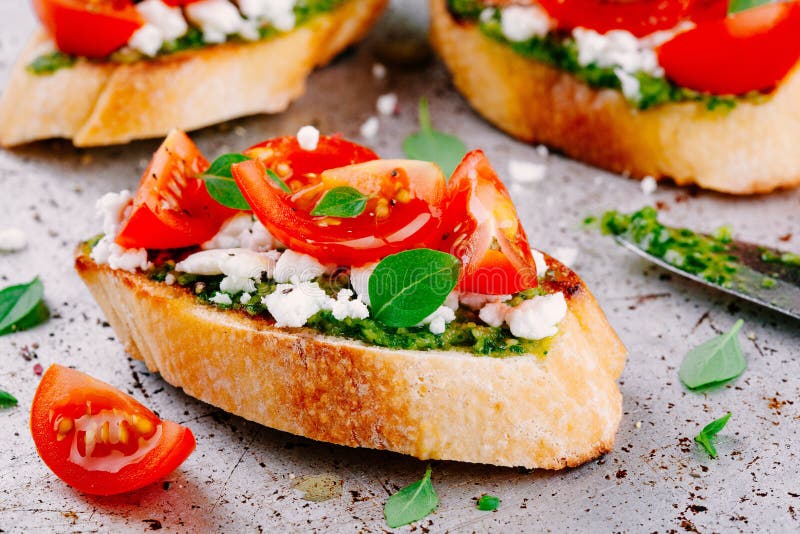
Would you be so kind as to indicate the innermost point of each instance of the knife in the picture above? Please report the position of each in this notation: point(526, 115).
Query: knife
point(756, 264)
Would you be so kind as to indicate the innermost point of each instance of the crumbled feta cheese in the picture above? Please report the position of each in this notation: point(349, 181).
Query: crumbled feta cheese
point(541, 264)
point(537, 318)
point(649, 185)
point(147, 40)
point(630, 85)
point(369, 130)
point(437, 321)
point(221, 298)
point(487, 14)
point(543, 151)
point(526, 172)
point(169, 279)
point(111, 209)
point(520, 23)
point(241, 267)
point(294, 303)
point(168, 20)
point(494, 313)
point(378, 71)
point(566, 255)
point(279, 13)
point(12, 240)
point(617, 48)
point(359, 279)
point(216, 18)
point(476, 301)
point(345, 306)
point(386, 104)
point(245, 298)
point(452, 300)
point(242, 230)
point(296, 265)
point(308, 138)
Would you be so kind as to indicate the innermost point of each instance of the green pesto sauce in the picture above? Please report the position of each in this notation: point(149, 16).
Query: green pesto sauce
point(465, 334)
point(560, 50)
point(304, 11)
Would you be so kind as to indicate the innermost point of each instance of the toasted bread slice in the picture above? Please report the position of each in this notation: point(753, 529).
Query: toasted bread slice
point(552, 412)
point(102, 103)
point(750, 149)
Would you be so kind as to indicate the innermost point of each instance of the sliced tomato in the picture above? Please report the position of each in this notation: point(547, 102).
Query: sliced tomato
point(402, 212)
point(99, 440)
point(482, 229)
point(91, 28)
point(172, 208)
point(752, 50)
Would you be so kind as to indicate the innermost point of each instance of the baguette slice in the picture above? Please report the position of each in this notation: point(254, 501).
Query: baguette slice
point(555, 412)
point(102, 103)
point(751, 149)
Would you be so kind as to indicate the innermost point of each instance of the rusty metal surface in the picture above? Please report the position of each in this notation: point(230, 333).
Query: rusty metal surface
point(241, 477)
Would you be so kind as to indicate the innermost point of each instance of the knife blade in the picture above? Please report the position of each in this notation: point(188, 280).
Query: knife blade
point(759, 278)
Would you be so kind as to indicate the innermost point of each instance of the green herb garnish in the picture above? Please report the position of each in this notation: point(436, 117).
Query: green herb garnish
point(22, 307)
point(344, 202)
point(278, 181)
point(7, 400)
point(488, 503)
point(408, 286)
point(49, 63)
point(431, 145)
point(411, 503)
point(743, 5)
point(715, 362)
point(706, 436)
point(221, 185)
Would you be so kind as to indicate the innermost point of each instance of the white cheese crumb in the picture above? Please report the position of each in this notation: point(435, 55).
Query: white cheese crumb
point(476, 301)
point(169, 279)
point(487, 14)
point(294, 303)
point(216, 18)
point(345, 306)
point(520, 23)
point(617, 48)
point(630, 85)
point(168, 20)
point(386, 104)
point(541, 264)
point(221, 298)
point(359, 279)
point(535, 318)
point(242, 230)
point(526, 172)
point(649, 185)
point(437, 321)
point(369, 130)
point(245, 298)
point(638, 424)
point(293, 265)
point(543, 151)
point(308, 138)
point(12, 240)
point(242, 267)
point(111, 209)
point(147, 40)
point(378, 71)
point(279, 13)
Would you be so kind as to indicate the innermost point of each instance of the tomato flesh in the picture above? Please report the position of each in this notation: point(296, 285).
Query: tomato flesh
point(89, 28)
point(752, 50)
point(99, 440)
point(172, 208)
point(482, 229)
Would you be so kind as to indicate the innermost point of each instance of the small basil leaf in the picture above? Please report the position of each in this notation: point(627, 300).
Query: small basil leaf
point(488, 503)
point(743, 5)
point(344, 202)
point(445, 150)
point(411, 503)
point(715, 362)
point(408, 286)
point(49, 63)
point(220, 183)
point(706, 436)
point(277, 179)
point(21, 307)
point(7, 400)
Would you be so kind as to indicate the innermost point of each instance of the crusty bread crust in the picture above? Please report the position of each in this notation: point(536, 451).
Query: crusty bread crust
point(751, 149)
point(558, 411)
point(100, 103)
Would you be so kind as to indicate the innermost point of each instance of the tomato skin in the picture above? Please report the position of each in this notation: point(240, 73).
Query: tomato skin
point(68, 394)
point(482, 229)
point(112, 23)
point(752, 50)
point(172, 208)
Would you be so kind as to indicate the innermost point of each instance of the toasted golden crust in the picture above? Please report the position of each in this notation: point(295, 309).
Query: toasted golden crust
point(550, 413)
point(751, 149)
point(104, 103)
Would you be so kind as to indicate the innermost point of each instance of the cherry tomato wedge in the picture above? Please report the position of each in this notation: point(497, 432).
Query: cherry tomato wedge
point(482, 229)
point(99, 440)
point(89, 28)
point(752, 50)
point(172, 208)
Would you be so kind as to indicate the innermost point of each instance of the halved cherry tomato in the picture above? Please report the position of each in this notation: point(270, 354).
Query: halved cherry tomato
point(99, 440)
point(172, 208)
point(91, 28)
point(402, 212)
point(484, 232)
point(752, 50)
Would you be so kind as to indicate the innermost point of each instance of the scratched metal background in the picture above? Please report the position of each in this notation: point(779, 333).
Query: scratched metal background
point(241, 476)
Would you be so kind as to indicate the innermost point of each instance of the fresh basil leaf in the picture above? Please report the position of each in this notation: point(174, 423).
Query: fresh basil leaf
point(445, 150)
point(7, 400)
point(21, 307)
point(706, 436)
point(221, 185)
point(408, 286)
point(277, 179)
point(411, 503)
point(344, 202)
point(742, 5)
point(488, 503)
point(715, 362)
point(49, 63)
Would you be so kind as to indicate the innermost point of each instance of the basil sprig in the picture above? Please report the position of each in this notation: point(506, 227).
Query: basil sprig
point(7, 400)
point(411, 503)
point(22, 307)
point(488, 503)
point(714, 362)
point(221, 185)
point(428, 144)
point(344, 202)
point(408, 286)
point(706, 436)
point(743, 5)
